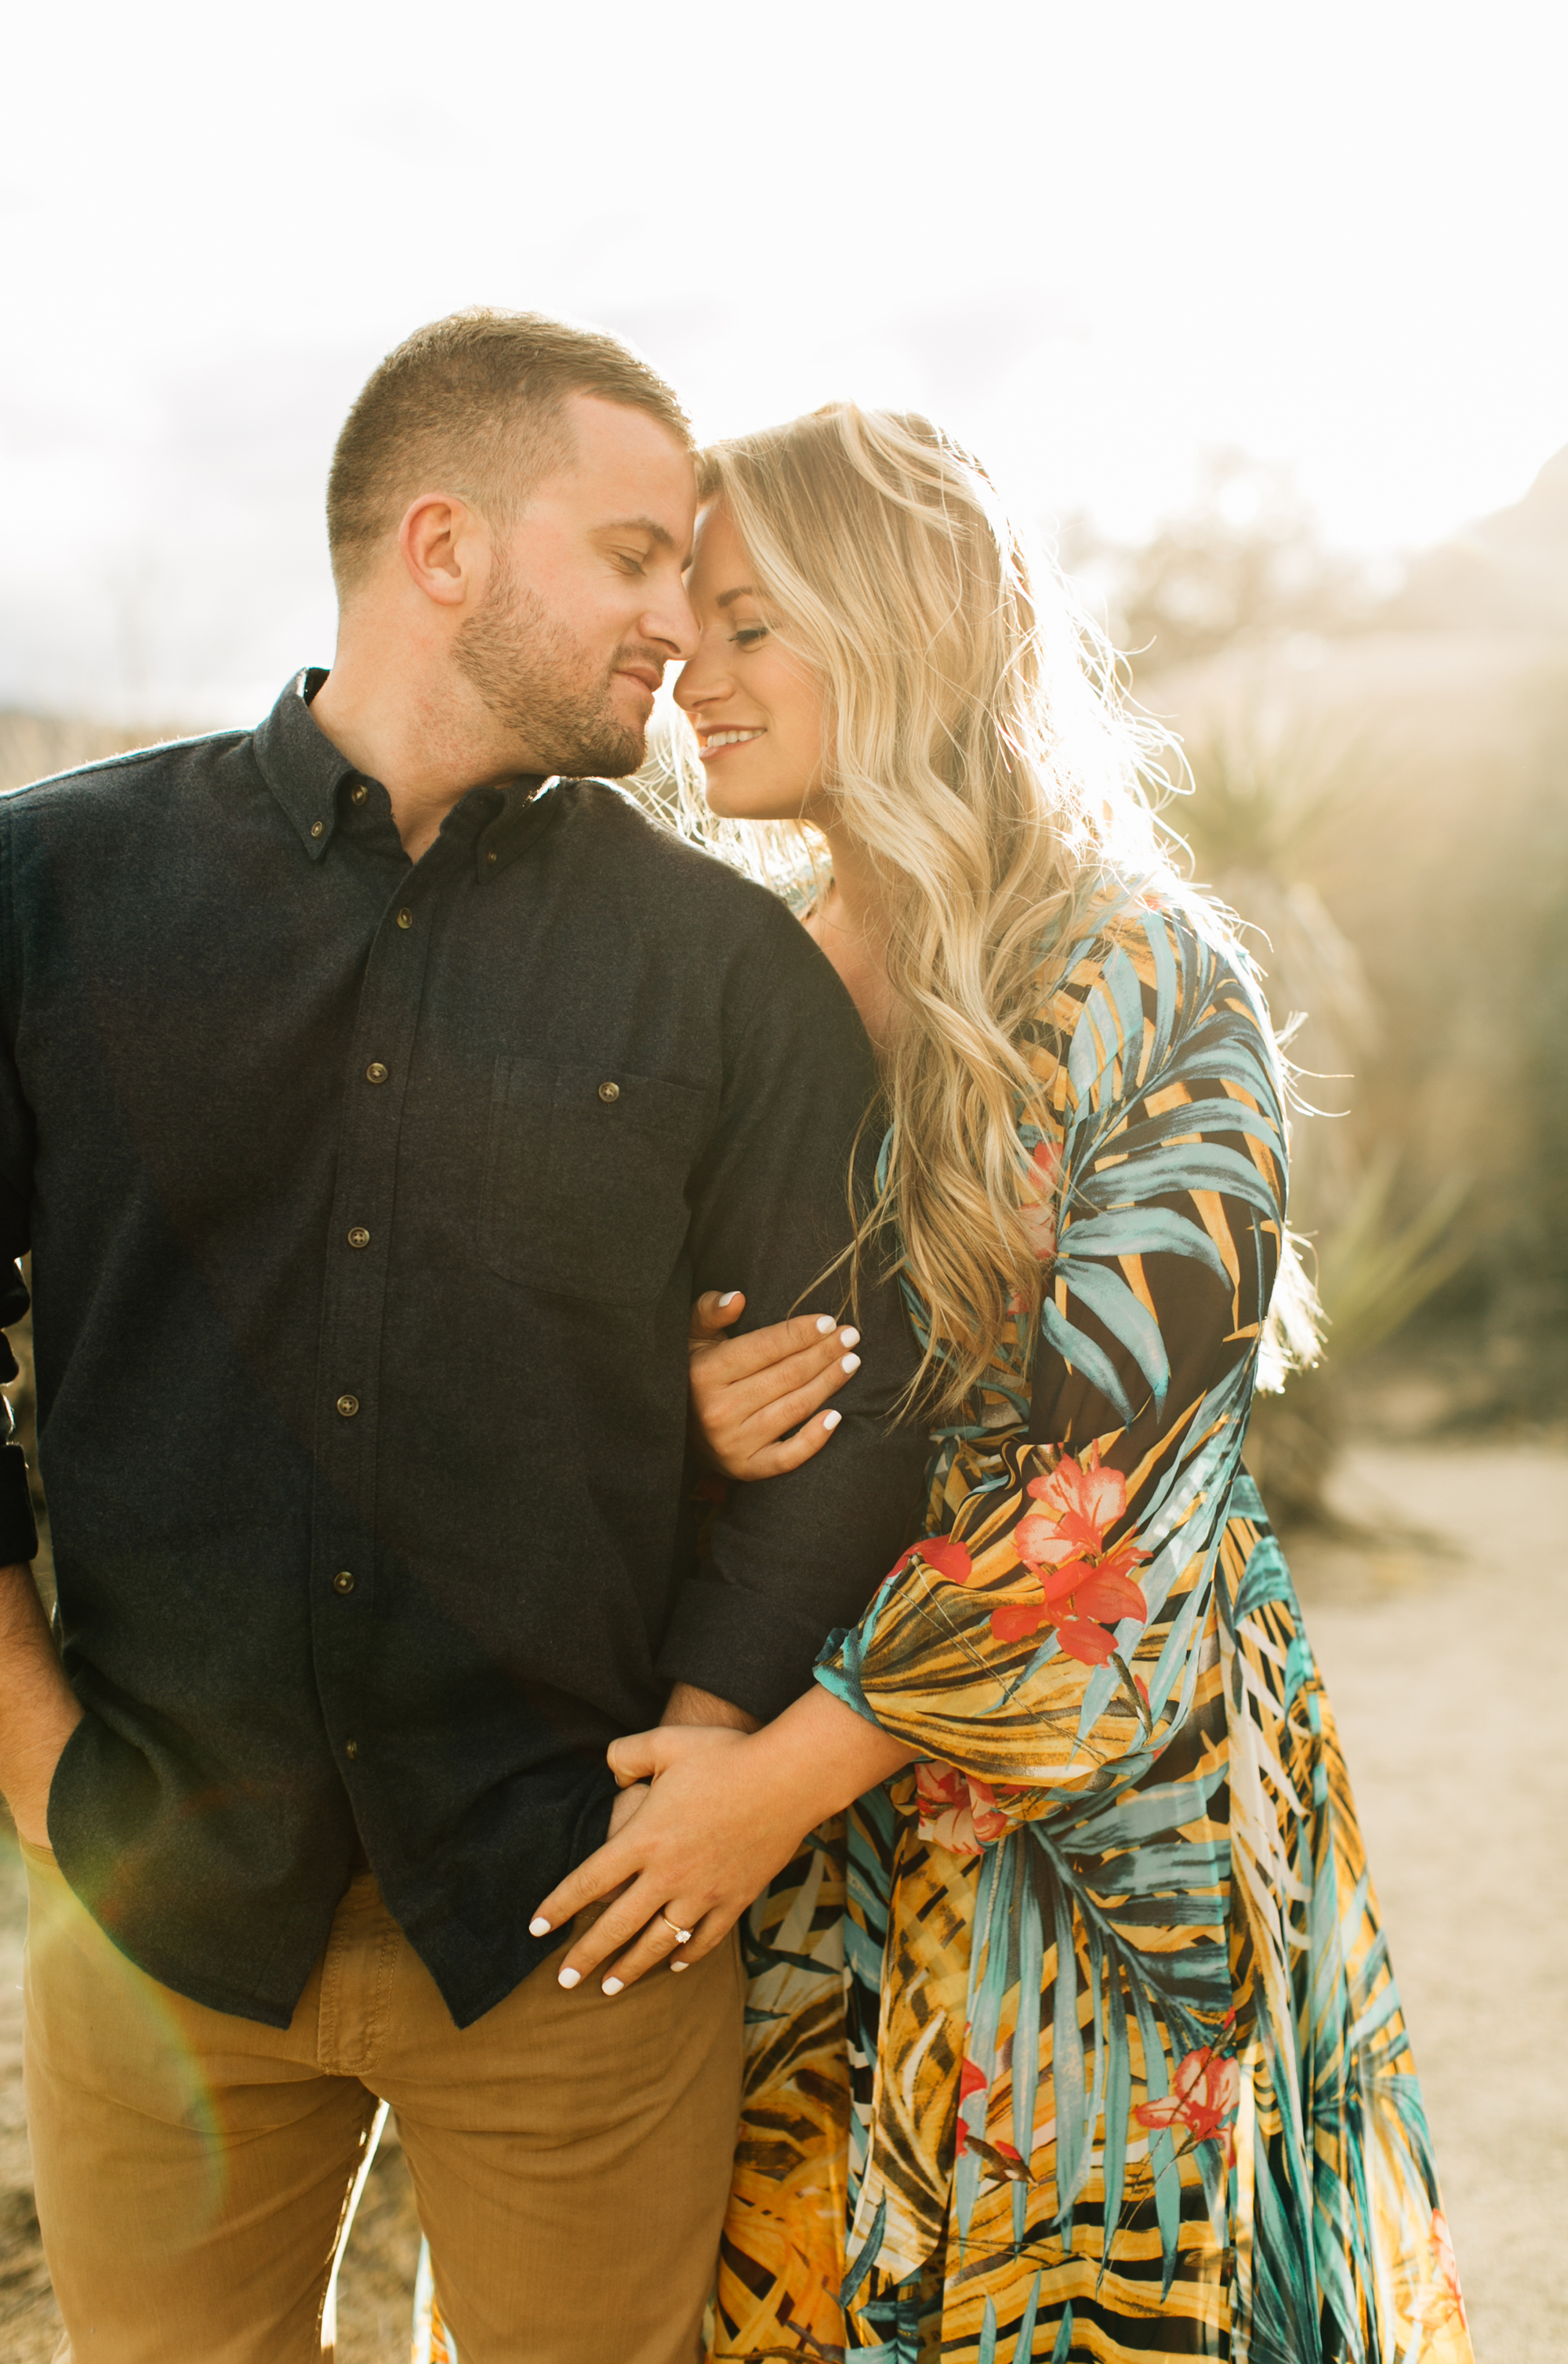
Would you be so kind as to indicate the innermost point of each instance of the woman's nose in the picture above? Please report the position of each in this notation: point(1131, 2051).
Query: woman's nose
point(697, 684)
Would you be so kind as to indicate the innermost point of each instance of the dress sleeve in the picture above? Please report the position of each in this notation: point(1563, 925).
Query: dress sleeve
point(1055, 1629)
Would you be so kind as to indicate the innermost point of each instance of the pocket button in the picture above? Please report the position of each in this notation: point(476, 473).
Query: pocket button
point(608, 1092)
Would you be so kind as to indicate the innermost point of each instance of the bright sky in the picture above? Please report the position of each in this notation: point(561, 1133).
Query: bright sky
point(1099, 239)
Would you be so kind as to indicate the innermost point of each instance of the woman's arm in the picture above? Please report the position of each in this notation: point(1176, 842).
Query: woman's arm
point(1058, 1632)
point(747, 1394)
point(727, 1810)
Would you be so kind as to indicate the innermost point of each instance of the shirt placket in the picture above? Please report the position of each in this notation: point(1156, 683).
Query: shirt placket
point(349, 1380)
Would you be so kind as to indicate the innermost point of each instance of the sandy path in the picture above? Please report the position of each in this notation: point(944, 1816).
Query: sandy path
point(1448, 1669)
point(1449, 1676)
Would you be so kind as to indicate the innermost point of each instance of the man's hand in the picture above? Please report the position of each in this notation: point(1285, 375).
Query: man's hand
point(686, 1705)
point(727, 1810)
point(39, 1710)
point(626, 1805)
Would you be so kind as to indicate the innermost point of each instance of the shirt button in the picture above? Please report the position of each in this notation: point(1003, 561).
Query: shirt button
point(608, 1092)
point(375, 1073)
point(350, 1748)
point(406, 918)
point(344, 1580)
point(359, 1237)
point(317, 828)
point(348, 1406)
point(359, 792)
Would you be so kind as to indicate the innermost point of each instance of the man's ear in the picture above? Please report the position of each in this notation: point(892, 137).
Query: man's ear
point(445, 546)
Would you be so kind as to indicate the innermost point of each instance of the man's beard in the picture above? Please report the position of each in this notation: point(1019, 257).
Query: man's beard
point(546, 691)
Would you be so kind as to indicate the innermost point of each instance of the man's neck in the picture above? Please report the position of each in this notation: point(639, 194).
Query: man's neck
point(427, 751)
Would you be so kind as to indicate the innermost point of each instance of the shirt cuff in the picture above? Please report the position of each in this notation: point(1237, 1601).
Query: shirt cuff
point(740, 1646)
point(19, 1530)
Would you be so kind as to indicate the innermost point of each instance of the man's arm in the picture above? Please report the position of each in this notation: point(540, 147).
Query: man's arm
point(795, 1557)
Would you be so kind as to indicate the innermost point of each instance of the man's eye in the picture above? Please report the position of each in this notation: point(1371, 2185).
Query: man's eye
point(635, 561)
point(746, 636)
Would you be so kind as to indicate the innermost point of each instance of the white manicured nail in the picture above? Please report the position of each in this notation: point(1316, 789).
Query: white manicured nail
point(613, 1985)
point(571, 1978)
point(824, 1324)
point(539, 1926)
point(680, 1966)
point(849, 1337)
point(831, 1418)
point(729, 1296)
point(850, 1363)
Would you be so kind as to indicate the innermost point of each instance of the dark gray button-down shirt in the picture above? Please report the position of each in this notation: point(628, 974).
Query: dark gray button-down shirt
point(367, 1201)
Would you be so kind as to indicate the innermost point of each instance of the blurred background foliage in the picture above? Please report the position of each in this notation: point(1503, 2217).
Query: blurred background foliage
point(1379, 788)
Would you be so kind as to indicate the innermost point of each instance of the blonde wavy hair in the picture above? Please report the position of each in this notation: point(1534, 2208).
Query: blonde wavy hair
point(982, 752)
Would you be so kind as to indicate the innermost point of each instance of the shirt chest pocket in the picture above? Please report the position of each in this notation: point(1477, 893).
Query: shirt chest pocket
point(585, 1182)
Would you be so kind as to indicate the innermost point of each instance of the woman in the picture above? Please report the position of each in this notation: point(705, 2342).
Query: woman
point(1073, 2033)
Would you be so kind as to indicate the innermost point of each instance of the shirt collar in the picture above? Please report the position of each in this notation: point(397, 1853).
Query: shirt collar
point(300, 764)
point(307, 775)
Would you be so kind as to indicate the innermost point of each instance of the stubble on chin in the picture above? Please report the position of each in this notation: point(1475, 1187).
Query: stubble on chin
point(544, 691)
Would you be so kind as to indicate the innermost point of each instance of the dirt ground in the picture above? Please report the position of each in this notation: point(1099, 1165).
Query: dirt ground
point(1444, 1639)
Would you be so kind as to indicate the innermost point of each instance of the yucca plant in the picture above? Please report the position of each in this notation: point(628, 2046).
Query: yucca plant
point(1376, 1269)
point(1263, 811)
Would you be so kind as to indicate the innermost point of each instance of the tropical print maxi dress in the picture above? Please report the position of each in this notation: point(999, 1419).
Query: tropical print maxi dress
point(1079, 2038)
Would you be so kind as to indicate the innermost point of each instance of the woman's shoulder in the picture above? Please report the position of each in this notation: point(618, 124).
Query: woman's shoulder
point(1147, 977)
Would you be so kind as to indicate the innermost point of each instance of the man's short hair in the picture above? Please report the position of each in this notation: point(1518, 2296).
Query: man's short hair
point(474, 405)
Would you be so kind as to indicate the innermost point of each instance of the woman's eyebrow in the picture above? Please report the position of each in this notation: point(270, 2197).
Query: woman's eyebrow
point(743, 591)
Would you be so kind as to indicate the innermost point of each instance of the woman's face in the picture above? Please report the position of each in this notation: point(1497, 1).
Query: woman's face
point(758, 710)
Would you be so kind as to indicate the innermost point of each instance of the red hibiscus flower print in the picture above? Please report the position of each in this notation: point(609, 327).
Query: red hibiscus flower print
point(1036, 1211)
point(957, 1811)
point(1207, 2086)
point(1083, 1588)
point(1447, 2303)
point(944, 1554)
point(1001, 2161)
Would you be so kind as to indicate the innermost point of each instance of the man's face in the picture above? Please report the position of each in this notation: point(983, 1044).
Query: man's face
point(585, 604)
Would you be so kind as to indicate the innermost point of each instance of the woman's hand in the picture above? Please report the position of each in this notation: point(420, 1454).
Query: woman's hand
point(748, 1393)
point(727, 1810)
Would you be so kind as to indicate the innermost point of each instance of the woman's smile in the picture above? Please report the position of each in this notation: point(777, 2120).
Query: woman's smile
point(718, 743)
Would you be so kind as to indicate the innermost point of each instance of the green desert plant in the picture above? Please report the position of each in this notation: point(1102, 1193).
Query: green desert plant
point(1376, 1269)
point(1263, 808)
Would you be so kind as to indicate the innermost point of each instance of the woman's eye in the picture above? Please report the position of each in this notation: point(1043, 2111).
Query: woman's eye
point(746, 636)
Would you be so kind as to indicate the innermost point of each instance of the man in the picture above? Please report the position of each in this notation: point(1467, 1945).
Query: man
point(374, 1103)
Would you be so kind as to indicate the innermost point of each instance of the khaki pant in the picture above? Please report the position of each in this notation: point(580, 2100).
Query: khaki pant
point(571, 2154)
